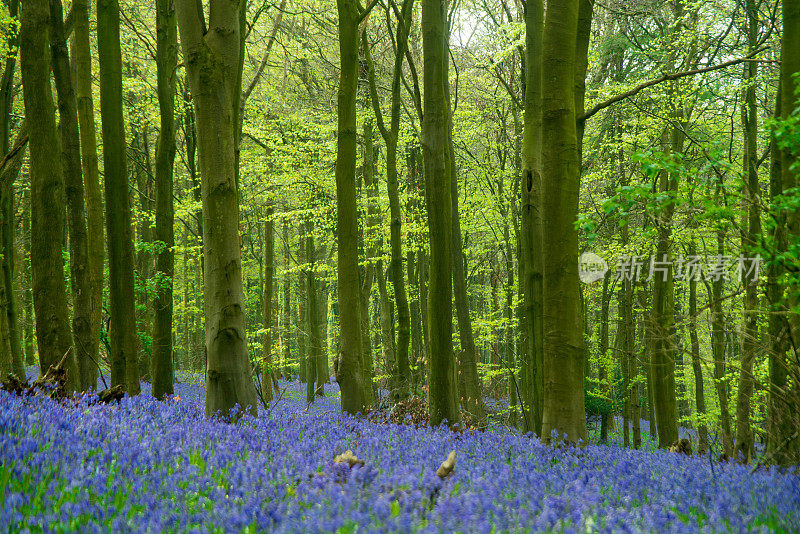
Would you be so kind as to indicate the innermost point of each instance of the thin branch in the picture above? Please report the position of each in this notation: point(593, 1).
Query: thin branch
point(664, 78)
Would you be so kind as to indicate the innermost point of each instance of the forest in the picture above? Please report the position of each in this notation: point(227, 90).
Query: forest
point(400, 266)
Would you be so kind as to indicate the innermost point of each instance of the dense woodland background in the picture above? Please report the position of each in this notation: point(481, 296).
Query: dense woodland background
point(396, 194)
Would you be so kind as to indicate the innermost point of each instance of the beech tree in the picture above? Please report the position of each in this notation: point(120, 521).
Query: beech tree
point(442, 395)
point(563, 406)
point(211, 55)
point(47, 195)
point(124, 356)
point(166, 63)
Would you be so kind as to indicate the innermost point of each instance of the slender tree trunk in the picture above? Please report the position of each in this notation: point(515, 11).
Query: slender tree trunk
point(371, 240)
point(744, 433)
point(387, 334)
point(47, 195)
point(390, 136)
point(354, 385)
point(166, 61)
point(699, 388)
point(7, 200)
point(211, 58)
point(606, 420)
point(91, 180)
point(563, 409)
point(73, 179)
point(718, 350)
point(124, 358)
point(287, 305)
point(269, 380)
point(442, 394)
point(315, 336)
point(530, 264)
point(323, 372)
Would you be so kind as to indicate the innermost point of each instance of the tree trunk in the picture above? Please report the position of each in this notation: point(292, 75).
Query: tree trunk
point(699, 388)
point(387, 334)
point(744, 433)
point(287, 306)
point(166, 61)
point(788, 437)
point(16, 354)
point(91, 180)
point(211, 58)
point(323, 372)
point(73, 180)
point(530, 262)
point(354, 385)
point(390, 136)
point(269, 381)
point(124, 358)
point(470, 390)
point(47, 196)
point(606, 418)
point(718, 350)
point(314, 337)
point(442, 399)
point(370, 237)
point(563, 408)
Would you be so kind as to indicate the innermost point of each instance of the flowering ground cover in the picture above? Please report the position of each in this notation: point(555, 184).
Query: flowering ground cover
point(149, 466)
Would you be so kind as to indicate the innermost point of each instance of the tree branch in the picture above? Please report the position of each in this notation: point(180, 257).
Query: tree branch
point(666, 77)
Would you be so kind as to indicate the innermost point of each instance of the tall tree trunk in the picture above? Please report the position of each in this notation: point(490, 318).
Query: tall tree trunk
point(211, 58)
point(606, 418)
point(442, 399)
point(269, 381)
point(7, 203)
point(314, 337)
point(699, 388)
point(73, 180)
point(530, 263)
point(287, 305)
point(470, 391)
point(91, 179)
point(371, 241)
point(47, 196)
point(354, 385)
point(390, 136)
point(124, 358)
point(718, 350)
point(323, 371)
point(744, 433)
point(387, 334)
point(166, 61)
point(12, 356)
point(563, 408)
point(787, 436)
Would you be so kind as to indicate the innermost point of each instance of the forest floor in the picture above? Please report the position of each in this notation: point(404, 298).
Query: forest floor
point(148, 466)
